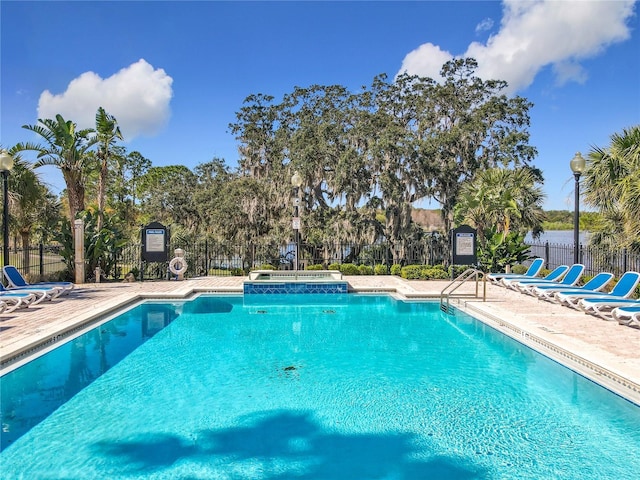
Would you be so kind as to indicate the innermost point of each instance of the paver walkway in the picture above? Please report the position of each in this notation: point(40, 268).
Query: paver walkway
point(604, 351)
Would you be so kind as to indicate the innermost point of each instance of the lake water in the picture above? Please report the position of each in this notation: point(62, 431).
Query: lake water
point(558, 236)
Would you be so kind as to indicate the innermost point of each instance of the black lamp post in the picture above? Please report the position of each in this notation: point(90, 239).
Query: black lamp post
point(577, 167)
point(296, 181)
point(6, 164)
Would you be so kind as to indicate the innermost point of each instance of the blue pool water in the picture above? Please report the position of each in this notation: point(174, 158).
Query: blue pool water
point(308, 387)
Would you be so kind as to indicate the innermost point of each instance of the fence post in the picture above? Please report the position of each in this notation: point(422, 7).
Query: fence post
point(546, 254)
point(206, 258)
point(41, 255)
point(580, 254)
point(624, 260)
point(78, 230)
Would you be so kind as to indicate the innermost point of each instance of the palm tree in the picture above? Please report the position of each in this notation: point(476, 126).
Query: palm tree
point(612, 184)
point(504, 198)
point(65, 147)
point(503, 205)
point(28, 197)
point(107, 132)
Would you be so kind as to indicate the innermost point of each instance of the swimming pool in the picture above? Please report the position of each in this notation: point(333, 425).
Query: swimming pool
point(310, 386)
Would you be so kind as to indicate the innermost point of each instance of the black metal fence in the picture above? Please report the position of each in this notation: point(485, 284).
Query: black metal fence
point(38, 261)
point(595, 259)
point(206, 258)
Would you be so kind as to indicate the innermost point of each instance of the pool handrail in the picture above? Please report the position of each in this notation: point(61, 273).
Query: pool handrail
point(470, 273)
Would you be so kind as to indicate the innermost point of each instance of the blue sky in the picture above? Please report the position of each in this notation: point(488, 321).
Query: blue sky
point(175, 73)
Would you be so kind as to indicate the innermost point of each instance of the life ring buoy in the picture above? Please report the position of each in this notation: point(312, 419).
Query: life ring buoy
point(178, 266)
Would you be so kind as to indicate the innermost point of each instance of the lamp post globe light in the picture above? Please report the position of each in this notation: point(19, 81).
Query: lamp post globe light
point(296, 181)
point(577, 165)
point(6, 164)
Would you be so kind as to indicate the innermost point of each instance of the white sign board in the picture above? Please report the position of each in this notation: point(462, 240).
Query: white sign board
point(295, 223)
point(464, 244)
point(155, 240)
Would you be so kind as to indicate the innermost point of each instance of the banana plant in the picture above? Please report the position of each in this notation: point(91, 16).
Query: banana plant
point(101, 247)
point(497, 250)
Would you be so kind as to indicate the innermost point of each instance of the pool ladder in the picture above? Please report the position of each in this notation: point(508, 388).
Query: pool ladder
point(449, 291)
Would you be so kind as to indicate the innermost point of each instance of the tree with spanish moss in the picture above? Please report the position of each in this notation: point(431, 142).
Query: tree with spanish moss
point(469, 125)
point(382, 148)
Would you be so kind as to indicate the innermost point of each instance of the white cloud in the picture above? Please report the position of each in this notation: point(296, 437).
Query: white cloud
point(537, 34)
point(426, 61)
point(137, 96)
point(485, 25)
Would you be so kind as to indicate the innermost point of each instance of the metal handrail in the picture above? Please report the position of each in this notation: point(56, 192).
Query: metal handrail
point(469, 274)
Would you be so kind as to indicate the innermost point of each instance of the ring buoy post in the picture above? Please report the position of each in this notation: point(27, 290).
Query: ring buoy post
point(178, 265)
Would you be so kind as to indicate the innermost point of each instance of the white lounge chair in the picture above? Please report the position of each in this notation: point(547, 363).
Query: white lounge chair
point(531, 272)
point(622, 290)
point(602, 307)
point(16, 280)
point(568, 280)
point(629, 315)
point(596, 284)
point(13, 300)
point(555, 275)
point(40, 294)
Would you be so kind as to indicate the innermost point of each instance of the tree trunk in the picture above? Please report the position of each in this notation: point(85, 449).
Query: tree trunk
point(102, 183)
point(75, 194)
point(26, 257)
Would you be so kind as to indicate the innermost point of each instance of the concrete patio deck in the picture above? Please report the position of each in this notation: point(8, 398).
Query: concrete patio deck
point(604, 351)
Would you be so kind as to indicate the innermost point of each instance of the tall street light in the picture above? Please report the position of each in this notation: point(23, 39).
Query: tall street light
point(577, 167)
point(296, 181)
point(6, 164)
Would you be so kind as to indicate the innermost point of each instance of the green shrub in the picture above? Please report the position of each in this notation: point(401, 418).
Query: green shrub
point(411, 272)
point(544, 272)
point(317, 266)
point(380, 269)
point(424, 272)
point(519, 269)
point(237, 272)
point(457, 270)
point(365, 270)
point(436, 272)
point(266, 266)
point(334, 266)
point(349, 269)
point(396, 269)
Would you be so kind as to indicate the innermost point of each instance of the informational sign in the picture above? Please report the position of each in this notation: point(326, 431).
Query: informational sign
point(295, 223)
point(464, 248)
point(155, 243)
point(156, 240)
point(464, 243)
